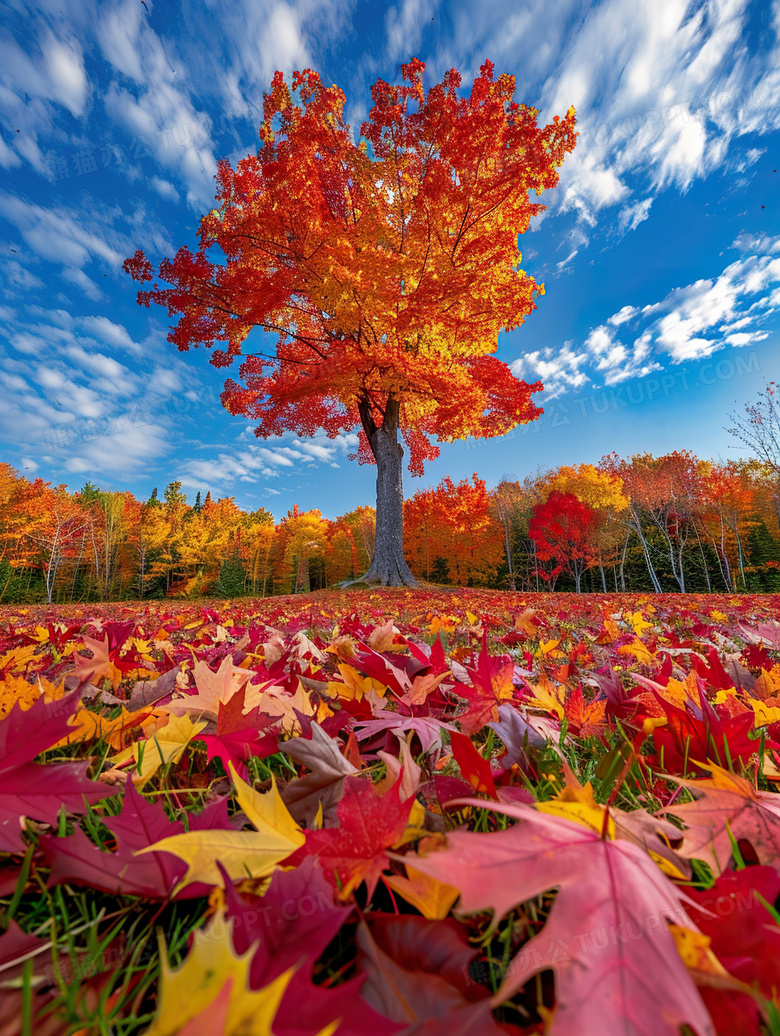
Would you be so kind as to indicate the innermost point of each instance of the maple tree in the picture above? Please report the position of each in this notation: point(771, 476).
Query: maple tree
point(386, 267)
point(603, 493)
point(562, 529)
point(453, 521)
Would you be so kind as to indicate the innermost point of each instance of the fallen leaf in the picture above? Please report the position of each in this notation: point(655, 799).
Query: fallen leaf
point(603, 984)
point(727, 806)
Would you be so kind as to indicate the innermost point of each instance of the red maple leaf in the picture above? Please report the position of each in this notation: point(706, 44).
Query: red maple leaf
point(369, 824)
point(474, 767)
point(238, 735)
point(29, 789)
point(745, 939)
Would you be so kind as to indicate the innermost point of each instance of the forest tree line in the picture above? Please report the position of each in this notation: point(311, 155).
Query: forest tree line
point(660, 524)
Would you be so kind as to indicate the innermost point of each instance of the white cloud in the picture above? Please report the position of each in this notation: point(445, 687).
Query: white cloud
point(591, 186)
point(631, 216)
point(663, 91)
point(623, 315)
point(8, 158)
point(691, 322)
point(680, 154)
point(253, 463)
point(64, 67)
point(404, 26)
point(109, 332)
point(558, 372)
point(83, 282)
point(62, 236)
point(758, 244)
point(19, 276)
point(164, 188)
point(616, 361)
point(746, 338)
point(130, 448)
point(565, 262)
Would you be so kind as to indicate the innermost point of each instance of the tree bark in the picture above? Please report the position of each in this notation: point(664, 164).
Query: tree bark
point(388, 566)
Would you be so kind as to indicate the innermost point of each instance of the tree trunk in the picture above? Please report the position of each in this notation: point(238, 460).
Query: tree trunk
point(388, 566)
point(623, 564)
point(637, 527)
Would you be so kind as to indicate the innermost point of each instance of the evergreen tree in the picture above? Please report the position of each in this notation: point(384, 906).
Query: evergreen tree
point(440, 570)
point(174, 496)
point(232, 577)
point(90, 494)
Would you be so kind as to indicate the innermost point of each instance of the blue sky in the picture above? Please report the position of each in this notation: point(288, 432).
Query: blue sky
point(659, 249)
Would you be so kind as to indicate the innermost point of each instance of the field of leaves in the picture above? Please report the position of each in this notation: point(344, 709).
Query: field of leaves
point(392, 812)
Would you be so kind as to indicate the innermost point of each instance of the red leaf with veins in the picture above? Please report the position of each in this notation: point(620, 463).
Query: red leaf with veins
point(238, 735)
point(616, 964)
point(76, 860)
point(745, 939)
point(32, 789)
point(291, 925)
point(368, 825)
point(418, 974)
point(473, 766)
point(699, 735)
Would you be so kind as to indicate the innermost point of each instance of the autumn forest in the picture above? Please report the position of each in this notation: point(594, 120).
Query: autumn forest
point(672, 523)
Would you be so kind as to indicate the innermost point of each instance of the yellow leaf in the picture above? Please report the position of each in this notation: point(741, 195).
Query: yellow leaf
point(724, 694)
point(213, 688)
point(267, 812)
point(442, 624)
point(89, 726)
point(166, 745)
point(612, 628)
point(678, 692)
point(548, 646)
point(17, 659)
point(577, 803)
point(546, 696)
point(15, 689)
point(643, 654)
point(694, 948)
point(212, 963)
point(414, 828)
point(763, 713)
point(319, 818)
point(243, 854)
point(355, 686)
point(768, 683)
point(434, 899)
point(667, 866)
point(640, 624)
